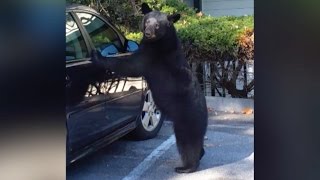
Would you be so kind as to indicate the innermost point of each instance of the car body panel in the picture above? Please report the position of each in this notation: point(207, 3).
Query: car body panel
point(100, 106)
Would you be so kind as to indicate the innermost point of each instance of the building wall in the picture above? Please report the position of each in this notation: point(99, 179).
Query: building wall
point(228, 7)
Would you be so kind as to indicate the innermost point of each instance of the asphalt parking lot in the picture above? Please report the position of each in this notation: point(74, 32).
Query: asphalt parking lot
point(228, 145)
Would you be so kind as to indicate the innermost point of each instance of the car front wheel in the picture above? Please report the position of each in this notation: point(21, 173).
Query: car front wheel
point(150, 120)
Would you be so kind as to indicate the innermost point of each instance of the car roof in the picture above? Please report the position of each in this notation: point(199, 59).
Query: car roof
point(72, 7)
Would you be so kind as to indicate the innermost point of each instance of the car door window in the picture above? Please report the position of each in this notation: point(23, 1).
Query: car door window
point(76, 48)
point(103, 37)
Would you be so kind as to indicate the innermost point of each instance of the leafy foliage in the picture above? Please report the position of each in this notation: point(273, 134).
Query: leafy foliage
point(204, 38)
point(211, 38)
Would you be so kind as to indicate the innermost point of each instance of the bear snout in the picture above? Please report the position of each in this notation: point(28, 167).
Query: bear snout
point(149, 33)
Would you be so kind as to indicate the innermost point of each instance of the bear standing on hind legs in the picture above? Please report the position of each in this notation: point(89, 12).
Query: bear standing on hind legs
point(175, 90)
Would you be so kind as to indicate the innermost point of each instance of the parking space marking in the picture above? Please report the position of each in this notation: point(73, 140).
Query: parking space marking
point(229, 126)
point(150, 159)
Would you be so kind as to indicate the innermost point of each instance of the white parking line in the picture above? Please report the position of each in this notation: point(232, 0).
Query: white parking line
point(230, 126)
point(151, 159)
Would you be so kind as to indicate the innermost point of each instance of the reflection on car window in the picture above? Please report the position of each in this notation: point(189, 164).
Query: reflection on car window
point(102, 35)
point(75, 45)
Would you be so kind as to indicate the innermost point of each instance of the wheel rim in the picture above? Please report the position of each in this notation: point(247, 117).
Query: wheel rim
point(150, 116)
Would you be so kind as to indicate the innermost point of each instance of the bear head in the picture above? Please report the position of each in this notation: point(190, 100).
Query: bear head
point(155, 24)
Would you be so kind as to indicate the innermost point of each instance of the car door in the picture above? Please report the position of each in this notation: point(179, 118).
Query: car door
point(85, 103)
point(123, 95)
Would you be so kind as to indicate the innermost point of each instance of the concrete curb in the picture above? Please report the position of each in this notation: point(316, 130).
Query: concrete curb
point(230, 104)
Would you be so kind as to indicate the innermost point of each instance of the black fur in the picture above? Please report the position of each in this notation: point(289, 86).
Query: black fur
point(175, 89)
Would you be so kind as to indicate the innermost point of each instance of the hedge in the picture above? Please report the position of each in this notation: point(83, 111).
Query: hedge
point(206, 38)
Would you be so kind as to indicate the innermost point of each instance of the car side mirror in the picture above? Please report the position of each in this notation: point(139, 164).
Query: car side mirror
point(109, 50)
point(132, 46)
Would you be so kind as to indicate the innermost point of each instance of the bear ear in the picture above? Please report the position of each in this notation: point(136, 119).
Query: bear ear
point(174, 17)
point(145, 8)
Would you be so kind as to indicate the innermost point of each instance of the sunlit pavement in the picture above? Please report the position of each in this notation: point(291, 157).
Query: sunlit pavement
point(228, 145)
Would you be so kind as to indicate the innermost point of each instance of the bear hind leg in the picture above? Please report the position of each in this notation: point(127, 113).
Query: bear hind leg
point(190, 156)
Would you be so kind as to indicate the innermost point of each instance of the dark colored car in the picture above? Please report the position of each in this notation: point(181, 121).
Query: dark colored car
point(101, 107)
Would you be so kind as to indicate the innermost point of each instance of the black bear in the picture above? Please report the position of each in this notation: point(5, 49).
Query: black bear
point(176, 91)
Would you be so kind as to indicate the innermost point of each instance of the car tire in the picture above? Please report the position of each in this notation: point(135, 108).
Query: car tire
point(149, 121)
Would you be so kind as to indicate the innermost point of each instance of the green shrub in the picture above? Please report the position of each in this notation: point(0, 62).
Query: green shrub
point(212, 37)
point(204, 37)
point(135, 36)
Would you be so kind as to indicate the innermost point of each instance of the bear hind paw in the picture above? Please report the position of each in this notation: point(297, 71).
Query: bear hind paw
point(187, 169)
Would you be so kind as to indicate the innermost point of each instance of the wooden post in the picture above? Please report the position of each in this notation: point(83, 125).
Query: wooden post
point(207, 78)
point(245, 75)
point(212, 79)
point(198, 5)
